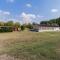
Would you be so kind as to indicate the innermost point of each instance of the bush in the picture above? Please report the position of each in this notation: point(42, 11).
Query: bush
point(6, 29)
point(30, 26)
point(22, 27)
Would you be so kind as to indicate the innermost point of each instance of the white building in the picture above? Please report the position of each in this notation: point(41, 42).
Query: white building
point(39, 28)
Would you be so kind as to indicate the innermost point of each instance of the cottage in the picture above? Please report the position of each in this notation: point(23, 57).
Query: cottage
point(40, 28)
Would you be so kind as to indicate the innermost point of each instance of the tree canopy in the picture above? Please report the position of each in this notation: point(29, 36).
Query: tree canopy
point(52, 22)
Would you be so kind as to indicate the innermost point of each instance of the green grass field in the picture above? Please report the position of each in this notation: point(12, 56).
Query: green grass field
point(31, 45)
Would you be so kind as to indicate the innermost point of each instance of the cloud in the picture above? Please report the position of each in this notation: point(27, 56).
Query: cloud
point(4, 15)
point(28, 18)
point(7, 16)
point(0, 11)
point(38, 16)
point(4, 12)
point(23, 18)
point(54, 10)
point(10, 1)
point(29, 5)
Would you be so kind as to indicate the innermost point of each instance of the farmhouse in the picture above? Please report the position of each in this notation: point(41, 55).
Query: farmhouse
point(41, 28)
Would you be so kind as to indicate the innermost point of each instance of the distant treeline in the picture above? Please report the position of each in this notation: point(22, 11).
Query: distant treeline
point(10, 23)
point(16, 24)
point(52, 22)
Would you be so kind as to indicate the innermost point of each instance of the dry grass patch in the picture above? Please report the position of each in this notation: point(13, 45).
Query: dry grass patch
point(31, 45)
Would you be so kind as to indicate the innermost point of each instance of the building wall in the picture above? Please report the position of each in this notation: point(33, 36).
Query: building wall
point(48, 29)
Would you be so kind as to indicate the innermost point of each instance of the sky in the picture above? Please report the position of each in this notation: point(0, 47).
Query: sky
point(27, 11)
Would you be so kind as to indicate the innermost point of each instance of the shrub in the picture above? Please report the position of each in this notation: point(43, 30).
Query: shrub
point(22, 27)
point(6, 29)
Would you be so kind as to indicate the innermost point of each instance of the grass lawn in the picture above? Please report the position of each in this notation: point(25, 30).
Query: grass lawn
point(31, 45)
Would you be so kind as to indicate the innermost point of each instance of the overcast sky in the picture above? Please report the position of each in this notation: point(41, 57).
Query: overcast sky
point(29, 10)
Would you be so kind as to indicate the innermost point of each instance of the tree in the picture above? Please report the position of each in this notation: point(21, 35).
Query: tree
point(9, 23)
point(22, 27)
point(45, 23)
point(30, 26)
point(2, 23)
point(17, 24)
point(52, 22)
point(58, 21)
point(34, 23)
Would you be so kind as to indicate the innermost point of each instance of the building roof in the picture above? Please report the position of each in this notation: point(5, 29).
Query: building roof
point(37, 25)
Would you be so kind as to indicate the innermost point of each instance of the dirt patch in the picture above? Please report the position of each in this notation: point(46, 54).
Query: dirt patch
point(7, 57)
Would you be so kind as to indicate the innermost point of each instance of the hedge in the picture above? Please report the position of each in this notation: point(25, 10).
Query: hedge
point(6, 29)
